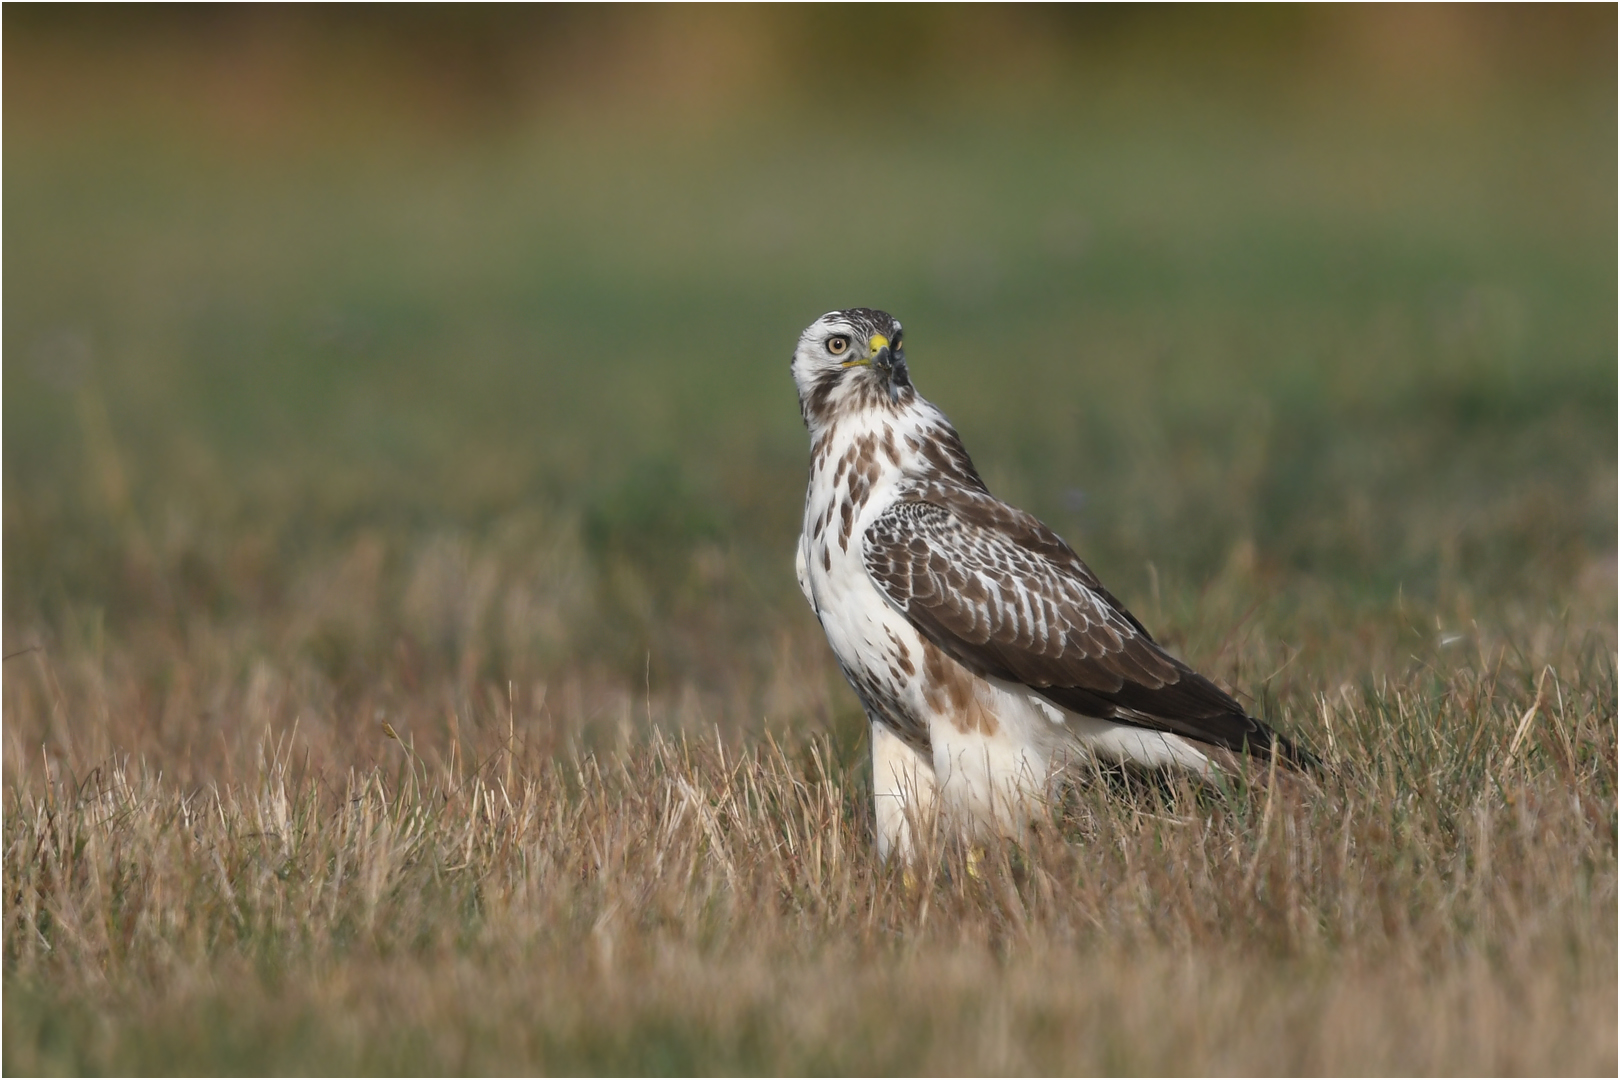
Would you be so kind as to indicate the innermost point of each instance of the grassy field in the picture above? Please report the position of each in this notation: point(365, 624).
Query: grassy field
point(404, 667)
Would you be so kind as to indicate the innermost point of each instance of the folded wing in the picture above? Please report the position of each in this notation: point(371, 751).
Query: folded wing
point(1006, 597)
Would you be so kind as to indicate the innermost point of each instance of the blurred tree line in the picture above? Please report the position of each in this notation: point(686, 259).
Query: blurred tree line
point(466, 61)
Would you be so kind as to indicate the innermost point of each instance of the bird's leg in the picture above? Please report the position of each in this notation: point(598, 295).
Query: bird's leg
point(902, 793)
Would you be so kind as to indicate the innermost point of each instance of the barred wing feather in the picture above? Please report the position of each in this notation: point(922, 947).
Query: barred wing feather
point(1004, 596)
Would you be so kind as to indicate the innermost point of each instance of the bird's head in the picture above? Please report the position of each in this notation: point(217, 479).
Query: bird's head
point(850, 359)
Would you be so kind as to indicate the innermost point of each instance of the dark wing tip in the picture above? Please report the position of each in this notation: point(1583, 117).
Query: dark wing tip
point(1292, 753)
point(1265, 743)
point(932, 557)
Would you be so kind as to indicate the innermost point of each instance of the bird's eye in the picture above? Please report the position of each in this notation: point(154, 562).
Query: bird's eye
point(838, 344)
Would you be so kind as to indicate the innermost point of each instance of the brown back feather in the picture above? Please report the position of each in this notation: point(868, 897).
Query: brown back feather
point(1004, 596)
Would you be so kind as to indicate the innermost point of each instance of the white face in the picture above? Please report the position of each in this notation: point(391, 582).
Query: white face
point(846, 348)
point(825, 347)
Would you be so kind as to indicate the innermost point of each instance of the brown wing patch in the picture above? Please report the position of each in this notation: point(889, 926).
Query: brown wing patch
point(1001, 595)
point(953, 690)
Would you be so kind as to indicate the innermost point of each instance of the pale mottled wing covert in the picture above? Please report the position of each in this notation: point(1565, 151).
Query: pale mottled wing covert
point(1006, 597)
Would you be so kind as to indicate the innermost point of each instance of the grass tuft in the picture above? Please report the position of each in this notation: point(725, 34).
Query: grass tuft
point(1441, 900)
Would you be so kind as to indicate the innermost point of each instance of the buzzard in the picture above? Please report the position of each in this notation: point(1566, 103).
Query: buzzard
point(986, 654)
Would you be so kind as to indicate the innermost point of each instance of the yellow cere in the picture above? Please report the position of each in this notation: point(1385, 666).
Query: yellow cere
point(873, 347)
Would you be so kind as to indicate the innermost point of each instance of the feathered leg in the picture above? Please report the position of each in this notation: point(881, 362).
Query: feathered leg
point(902, 789)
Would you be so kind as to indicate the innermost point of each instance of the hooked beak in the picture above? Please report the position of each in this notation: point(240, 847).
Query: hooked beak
point(879, 354)
point(889, 361)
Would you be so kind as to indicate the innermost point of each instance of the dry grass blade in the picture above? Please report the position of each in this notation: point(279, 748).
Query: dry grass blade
point(1529, 714)
point(710, 904)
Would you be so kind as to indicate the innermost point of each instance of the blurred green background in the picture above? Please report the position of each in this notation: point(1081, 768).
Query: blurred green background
point(491, 310)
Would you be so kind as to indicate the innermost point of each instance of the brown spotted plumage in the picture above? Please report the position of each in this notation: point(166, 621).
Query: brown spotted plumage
point(1005, 597)
point(987, 655)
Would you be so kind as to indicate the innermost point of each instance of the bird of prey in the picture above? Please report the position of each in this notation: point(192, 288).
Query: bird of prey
point(987, 656)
